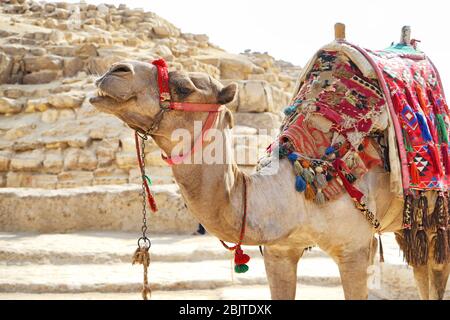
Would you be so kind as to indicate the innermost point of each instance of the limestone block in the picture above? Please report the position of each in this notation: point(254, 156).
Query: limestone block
point(231, 66)
point(50, 116)
point(127, 143)
point(158, 175)
point(64, 51)
point(153, 158)
point(2, 180)
point(164, 52)
point(53, 161)
point(14, 49)
point(44, 181)
point(161, 31)
point(27, 161)
point(29, 143)
point(255, 96)
point(66, 100)
point(16, 133)
point(10, 106)
point(71, 159)
point(201, 37)
point(38, 63)
point(33, 105)
point(86, 51)
point(110, 176)
point(87, 160)
point(267, 120)
point(5, 159)
point(39, 77)
point(126, 160)
point(72, 179)
point(281, 99)
point(106, 152)
point(66, 114)
point(14, 93)
point(72, 66)
point(17, 179)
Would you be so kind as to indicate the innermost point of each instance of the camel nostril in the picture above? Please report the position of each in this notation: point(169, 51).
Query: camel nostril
point(121, 68)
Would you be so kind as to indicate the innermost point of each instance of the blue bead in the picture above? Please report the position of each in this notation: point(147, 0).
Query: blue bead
point(300, 184)
point(292, 157)
point(290, 110)
point(329, 151)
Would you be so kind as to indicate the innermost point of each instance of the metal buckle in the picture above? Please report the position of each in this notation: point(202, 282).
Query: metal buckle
point(164, 96)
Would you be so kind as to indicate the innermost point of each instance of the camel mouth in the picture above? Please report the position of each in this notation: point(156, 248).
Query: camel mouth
point(105, 100)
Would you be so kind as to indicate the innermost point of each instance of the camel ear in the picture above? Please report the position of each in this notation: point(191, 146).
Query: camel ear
point(227, 94)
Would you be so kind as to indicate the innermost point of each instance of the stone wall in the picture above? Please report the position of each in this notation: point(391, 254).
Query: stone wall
point(50, 54)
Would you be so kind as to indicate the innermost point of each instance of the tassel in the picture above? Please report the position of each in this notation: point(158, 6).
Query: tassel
point(298, 169)
point(292, 157)
point(309, 192)
point(424, 129)
point(441, 129)
point(421, 248)
point(421, 239)
point(290, 110)
point(434, 153)
point(422, 212)
point(300, 184)
point(308, 175)
point(397, 103)
point(406, 141)
point(330, 150)
point(441, 241)
point(445, 159)
point(407, 230)
point(441, 253)
point(321, 181)
point(438, 212)
point(421, 97)
point(414, 173)
point(320, 198)
point(350, 177)
point(381, 249)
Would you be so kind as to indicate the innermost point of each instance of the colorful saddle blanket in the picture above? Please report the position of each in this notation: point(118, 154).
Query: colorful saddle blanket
point(334, 132)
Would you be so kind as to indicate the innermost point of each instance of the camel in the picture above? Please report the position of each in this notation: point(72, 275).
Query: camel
point(279, 218)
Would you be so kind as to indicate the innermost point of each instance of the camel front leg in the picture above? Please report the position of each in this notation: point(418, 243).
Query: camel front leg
point(438, 275)
point(422, 281)
point(281, 270)
point(353, 268)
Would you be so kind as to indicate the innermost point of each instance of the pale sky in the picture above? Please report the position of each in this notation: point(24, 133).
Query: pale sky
point(295, 30)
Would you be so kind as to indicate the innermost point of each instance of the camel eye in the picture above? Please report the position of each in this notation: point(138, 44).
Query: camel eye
point(183, 91)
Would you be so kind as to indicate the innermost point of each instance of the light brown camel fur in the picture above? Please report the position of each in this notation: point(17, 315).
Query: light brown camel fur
point(279, 218)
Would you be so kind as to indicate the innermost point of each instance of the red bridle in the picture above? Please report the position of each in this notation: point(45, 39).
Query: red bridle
point(167, 104)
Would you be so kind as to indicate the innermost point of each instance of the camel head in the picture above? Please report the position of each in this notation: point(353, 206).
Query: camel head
point(129, 90)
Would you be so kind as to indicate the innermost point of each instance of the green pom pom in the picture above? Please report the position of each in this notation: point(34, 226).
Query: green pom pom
point(241, 268)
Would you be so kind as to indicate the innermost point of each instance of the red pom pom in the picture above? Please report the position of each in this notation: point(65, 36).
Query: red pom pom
point(241, 259)
point(159, 63)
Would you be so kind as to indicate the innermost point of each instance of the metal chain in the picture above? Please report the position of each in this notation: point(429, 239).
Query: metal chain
point(144, 228)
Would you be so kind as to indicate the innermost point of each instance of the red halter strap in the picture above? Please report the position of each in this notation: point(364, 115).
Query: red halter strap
point(166, 103)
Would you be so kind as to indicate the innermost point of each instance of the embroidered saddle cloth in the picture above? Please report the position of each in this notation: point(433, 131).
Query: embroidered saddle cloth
point(335, 130)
